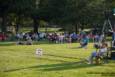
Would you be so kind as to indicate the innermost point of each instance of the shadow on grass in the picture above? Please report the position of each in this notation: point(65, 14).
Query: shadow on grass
point(62, 56)
point(76, 47)
point(7, 43)
point(67, 66)
point(12, 43)
point(56, 60)
point(56, 67)
point(44, 42)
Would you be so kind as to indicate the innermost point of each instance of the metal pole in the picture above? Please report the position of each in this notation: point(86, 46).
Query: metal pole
point(104, 27)
point(110, 24)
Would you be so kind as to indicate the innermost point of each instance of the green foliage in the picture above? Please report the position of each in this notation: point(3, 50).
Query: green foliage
point(64, 12)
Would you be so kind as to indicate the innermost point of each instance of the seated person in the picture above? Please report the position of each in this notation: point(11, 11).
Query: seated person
point(84, 41)
point(29, 41)
point(20, 43)
point(96, 54)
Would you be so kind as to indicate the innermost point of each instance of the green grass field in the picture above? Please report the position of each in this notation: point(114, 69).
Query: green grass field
point(58, 61)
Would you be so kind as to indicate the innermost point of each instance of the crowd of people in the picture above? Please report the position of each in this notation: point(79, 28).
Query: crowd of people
point(64, 37)
point(29, 37)
point(60, 38)
point(51, 37)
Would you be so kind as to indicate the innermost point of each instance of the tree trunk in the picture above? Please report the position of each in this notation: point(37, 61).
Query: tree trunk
point(17, 28)
point(18, 24)
point(35, 26)
point(46, 29)
point(3, 26)
point(82, 26)
point(76, 28)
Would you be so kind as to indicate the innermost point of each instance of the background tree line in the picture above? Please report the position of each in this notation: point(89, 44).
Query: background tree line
point(67, 14)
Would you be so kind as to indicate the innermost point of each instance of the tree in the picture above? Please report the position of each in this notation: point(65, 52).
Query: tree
point(69, 14)
point(4, 8)
point(18, 7)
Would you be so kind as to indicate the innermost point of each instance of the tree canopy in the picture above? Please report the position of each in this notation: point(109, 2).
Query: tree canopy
point(68, 14)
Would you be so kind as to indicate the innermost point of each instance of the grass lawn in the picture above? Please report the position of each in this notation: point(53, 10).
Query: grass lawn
point(58, 61)
point(28, 29)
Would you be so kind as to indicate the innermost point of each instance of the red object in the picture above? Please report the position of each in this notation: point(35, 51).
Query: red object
point(2, 37)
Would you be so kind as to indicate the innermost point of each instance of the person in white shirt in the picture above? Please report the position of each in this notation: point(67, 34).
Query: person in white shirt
point(61, 38)
point(101, 52)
